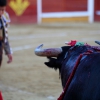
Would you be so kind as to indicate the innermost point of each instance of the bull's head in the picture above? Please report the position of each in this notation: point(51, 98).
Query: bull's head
point(49, 53)
point(54, 55)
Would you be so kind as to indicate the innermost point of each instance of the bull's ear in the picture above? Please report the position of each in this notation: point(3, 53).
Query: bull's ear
point(51, 63)
point(47, 64)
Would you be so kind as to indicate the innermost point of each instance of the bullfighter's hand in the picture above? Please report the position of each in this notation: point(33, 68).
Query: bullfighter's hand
point(10, 58)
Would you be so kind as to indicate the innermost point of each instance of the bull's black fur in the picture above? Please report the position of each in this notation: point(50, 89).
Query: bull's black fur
point(70, 61)
point(85, 84)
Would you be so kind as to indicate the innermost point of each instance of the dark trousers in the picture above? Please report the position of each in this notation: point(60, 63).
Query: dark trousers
point(1, 53)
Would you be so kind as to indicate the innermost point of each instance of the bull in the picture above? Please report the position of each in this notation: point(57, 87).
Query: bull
point(79, 68)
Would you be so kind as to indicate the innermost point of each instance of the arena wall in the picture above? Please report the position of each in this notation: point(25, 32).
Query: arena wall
point(39, 11)
point(22, 11)
point(64, 7)
point(97, 10)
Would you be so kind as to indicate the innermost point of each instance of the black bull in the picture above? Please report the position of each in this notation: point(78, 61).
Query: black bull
point(84, 82)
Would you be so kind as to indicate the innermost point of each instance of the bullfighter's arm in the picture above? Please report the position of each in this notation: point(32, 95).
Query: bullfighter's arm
point(6, 45)
point(6, 40)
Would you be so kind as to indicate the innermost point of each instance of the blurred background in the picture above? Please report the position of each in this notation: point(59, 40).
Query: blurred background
point(38, 11)
point(51, 22)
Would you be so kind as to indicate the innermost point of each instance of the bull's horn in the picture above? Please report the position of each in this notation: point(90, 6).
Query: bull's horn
point(51, 52)
point(97, 42)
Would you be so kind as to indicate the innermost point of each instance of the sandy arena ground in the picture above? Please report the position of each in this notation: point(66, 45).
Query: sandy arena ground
point(27, 78)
